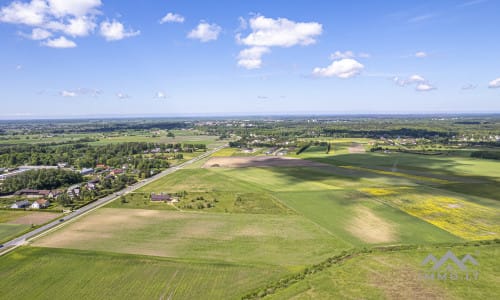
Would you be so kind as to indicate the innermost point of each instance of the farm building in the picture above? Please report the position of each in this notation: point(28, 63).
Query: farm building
point(160, 197)
point(32, 193)
point(40, 203)
point(20, 204)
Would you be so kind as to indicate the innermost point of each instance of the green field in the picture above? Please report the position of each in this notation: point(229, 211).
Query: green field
point(284, 240)
point(73, 274)
point(8, 231)
point(259, 225)
point(397, 275)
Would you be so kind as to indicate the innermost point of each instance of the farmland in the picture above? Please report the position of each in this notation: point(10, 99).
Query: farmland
point(336, 220)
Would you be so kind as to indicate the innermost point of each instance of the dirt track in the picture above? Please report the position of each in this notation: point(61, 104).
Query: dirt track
point(259, 161)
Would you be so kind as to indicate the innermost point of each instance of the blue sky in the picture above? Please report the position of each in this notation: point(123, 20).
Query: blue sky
point(62, 58)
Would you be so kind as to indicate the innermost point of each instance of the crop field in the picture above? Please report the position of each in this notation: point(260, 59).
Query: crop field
point(398, 275)
point(13, 222)
point(287, 240)
point(73, 274)
point(263, 222)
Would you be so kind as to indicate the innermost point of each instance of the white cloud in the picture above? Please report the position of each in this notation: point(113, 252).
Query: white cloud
point(39, 34)
point(251, 58)
point(420, 54)
point(61, 8)
point(80, 26)
point(421, 18)
point(60, 42)
point(410, 80)
point(340, 55)
point(121, 95)
point(344, 68)
point(364, 55)
point(114, 31)
point(424, 87)
point(494, 83)
point(75, 18)
point(19, 67)
point(421, 84)
point(267, 32)
point(80, 92)
point(172, 18)
point(205, 32)
point(281, 32)
point(160, 95)
point(469, 86)
point(32, 13)
point(68, 94)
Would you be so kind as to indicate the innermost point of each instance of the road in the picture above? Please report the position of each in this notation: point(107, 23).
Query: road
point(102, 201)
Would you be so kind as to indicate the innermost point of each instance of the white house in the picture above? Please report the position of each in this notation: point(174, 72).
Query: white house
point(40, 203)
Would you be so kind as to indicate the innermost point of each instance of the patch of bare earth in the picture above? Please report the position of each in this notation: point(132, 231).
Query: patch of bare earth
point(36, 218)
point(259, 161)
point(370, 228)
point(403, 281)
point(356, 148)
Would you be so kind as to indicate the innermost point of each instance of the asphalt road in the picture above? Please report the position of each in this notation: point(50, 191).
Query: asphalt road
point(102, 201)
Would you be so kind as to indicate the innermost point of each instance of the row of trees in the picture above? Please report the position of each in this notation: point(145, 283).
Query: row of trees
point(40, 179)
point(84, 155)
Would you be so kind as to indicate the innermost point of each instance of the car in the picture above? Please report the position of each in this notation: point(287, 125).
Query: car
point(61, 220)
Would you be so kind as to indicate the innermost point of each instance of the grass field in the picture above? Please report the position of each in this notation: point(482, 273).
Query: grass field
point(235, 230)
point(73, 274)
point(398, 275)
point(287, 240)
point(337, 211)
point(8, 231)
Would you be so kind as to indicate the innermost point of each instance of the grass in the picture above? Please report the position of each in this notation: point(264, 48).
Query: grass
point(285, 240)
point(335, 210)
point(8, 231)
point(397, 275)
point(73, 274)
point(466, 217)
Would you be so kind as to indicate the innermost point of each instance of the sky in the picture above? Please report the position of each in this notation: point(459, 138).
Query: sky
point(71, 58)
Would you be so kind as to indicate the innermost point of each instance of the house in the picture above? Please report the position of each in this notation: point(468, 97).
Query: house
point(32, 193)
point(86, 171)
point(92, 184)
point(160, 197)
point(117, 172)
point(40, 204)
point(55, 193)
point(62, 165)
point(101, 166)
point(21, 204)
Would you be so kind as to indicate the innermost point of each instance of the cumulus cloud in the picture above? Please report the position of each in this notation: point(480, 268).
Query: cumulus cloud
point(267, 32)
point(251, 58)
point(343, 68)
point(68, 94)
point(469, 86)
point(60, 42)
point(31, 13)
point(280, 32)
point(424, 87)
point(121, 95)
point(421, 84)
point(160, 95)
point(205, 32)
point(39, 34)
point(494, 83)
point(172, 18)
point(75, 18)
point(420, 54)
point(115, 31)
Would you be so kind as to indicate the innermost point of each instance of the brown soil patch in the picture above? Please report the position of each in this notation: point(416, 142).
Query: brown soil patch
point(370, 228)
point(259, 161)
point(36, 218)
point(356, 148)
